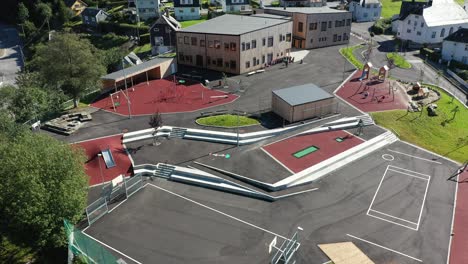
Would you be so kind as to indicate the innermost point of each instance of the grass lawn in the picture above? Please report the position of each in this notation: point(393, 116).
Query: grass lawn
point(399, 60)
point(189, 23)
point(227, 121)
point(445, 134)
point(142, 49)
point(348, 53)
point(392, 7)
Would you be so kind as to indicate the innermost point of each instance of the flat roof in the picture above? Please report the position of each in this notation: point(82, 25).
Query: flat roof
point(233, 25)
point(308, 10)
point(137, 69)
point(302, 94)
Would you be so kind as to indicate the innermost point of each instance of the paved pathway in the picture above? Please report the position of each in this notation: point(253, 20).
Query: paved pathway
point(10, 58)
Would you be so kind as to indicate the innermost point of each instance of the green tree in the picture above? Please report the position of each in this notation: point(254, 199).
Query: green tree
point(29, 103)
point(43, 182)
point(23, 13)
point(45, 12)
point(70, 63)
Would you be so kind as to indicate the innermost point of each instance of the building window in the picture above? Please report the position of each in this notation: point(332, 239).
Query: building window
point(329, 24)
point(192, 10)
point(422, 24)
point(312, 26)
point(247, 46)
point(210, 43)
point(254, 44)
point(451, 31)
point(288, 37)
point(181, 10)
point(202, 43)
point(233, 65)
point(263, 41)
point(217, 44)
point(337, 23)
point(186, 40)
point(365, 14)
point(247, 64)
point(208, 60)
point(243, 46)
point(348, 22)
point(226, 64)
point(323, 26)
point(219, 62)
point(181, 56)
point(226, 46)
point(334, 38)
point(254, 61)
point(280, 37)
point(339, 38)
point(466, 47)
point(180, 40)
point(233, 46)
point(345, 36)
point(376, 14)
point(418, 33)
point(194, 41)
point(270, 41)
point(263, 59)
point(408, 30)
point(442, 33)
point(409, 21)
point(300, 26)
point(433, 34)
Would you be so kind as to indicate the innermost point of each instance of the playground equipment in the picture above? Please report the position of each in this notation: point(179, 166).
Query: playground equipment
point(108, 158)
point(115, 98)
point(383, 73)
point(366, 71)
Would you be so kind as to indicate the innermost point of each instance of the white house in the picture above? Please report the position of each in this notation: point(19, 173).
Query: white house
point(365, 10)
point(429, 22)
point(147, 8)
point(455, 46)
point(187, 9)
point(236, 6)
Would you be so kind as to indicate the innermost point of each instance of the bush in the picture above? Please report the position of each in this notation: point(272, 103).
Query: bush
point(275, 3)
point(381, 26)
point(144, 39)
point(122, 28)
point(458, 65)
point(429, 54)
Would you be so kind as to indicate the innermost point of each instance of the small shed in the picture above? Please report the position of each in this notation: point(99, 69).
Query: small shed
point(302, 102)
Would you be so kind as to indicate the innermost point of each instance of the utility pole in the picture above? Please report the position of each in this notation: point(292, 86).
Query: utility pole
point(126, 90)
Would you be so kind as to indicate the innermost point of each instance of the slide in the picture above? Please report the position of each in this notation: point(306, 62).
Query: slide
point(108, 159)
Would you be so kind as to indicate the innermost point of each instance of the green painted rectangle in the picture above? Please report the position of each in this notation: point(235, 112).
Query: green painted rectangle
point(305, 152)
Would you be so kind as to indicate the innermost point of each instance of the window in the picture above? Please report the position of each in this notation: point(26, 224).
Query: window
point(312, 26)
point(181, 10)
point(247, 64)
point(288, 36)
point(348, 22)
point(180, 40)
point(376, 14)
point(233, 65)
point(243, 46)
point(451, 31)
point(194, 41)
point(409, 21)
point(247, 46)
point(466, 47)
point(422, 24)
point(210, 43)
point(345, 36)
point(280, 37)
point(300, 26)
point(329, 24)
point(339, 38)
point(226, 46)
point(334, 38)
point(323, 26)
point(415, 23)
point(192, 10)
point(337, 23)
point(233, 46)
point(433, 34)
point(226, 64)
point(442, 33)
point(202, 43)
point(270, 41)
point(219, 62)
point(365, 14)
point(254, 61)
point(254, 44)
point(408, 30)
point(217, 44)
point(418, 33)
point(263, 59)
point(311, 40)
point(208, 60)
point(263, 41)
point(186, 40)
point(181, 56)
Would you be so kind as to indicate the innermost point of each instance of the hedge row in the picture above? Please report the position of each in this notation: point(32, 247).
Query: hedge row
point(430, 54)
point(122, 28)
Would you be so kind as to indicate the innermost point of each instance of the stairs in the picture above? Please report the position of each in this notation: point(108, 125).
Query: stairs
point(390, 137)
point(366, 119)
point(177, 132)
point(164, 170)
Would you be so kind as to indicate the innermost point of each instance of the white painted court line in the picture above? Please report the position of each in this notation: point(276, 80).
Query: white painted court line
point(85, 140)
point(433, 153)
point(424, 201)
point(398, 218)
point(219, 212)
point(271, 156)
point(398, 168)
point(395, 223)
point(378, 188)
point(380, 246)
point(453, 220)
point(428, 160)
point(104, 244)
point(410, 175)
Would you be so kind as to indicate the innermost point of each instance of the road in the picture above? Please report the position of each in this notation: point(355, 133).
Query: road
point(10, 54)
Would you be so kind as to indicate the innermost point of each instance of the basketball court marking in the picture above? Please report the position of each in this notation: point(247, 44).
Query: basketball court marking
point(428, 160)
point(380, 246)
point(388, 157)
point(398, 220)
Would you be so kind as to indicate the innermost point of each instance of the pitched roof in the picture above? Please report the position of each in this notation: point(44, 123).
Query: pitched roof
point(411, 7)
point(460, 35)
point(309, 10)
point(91, 11)
point(302, 94)
point(233, 25)
point(131, 71)
point(444, 12)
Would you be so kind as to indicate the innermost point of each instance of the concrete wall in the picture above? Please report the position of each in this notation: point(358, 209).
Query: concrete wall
point(281, 108)
point(455, 51)
point(301, 112)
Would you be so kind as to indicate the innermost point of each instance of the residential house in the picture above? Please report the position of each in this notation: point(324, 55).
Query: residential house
point(430, 22)
point(147, 9)
point(235, 44)
point(92, 16)
point(303, 3)
point(365, 10)
point(241, 6)
point(316, 27)
point(77, 6)
point(455, 46)
point(187, 9)
point(163, 34)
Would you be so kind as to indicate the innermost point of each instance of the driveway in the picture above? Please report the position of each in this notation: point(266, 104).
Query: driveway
point(10, 54)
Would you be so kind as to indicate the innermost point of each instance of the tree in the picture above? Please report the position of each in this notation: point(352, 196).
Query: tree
point(23, 13)
point(43, 182)
point(45, 12)
point(29, 103)
point(70, 63)
point(155, 122)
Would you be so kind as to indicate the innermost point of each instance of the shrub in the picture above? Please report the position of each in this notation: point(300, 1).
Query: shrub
point(145, 38)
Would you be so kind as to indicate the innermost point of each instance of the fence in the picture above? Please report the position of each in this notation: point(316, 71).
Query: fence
point(457, 78)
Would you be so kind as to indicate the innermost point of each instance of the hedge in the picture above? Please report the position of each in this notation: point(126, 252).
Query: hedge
point(145, 38)
point(430, 54)
point(122, 28)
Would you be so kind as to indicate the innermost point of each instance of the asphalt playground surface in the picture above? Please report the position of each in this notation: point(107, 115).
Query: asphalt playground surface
point(396, 205)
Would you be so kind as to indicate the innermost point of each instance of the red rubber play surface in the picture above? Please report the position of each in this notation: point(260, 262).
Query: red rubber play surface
point(166, 97)
point(93, 147)
point(284, 150)
point(459, 251)
point(379, 96)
